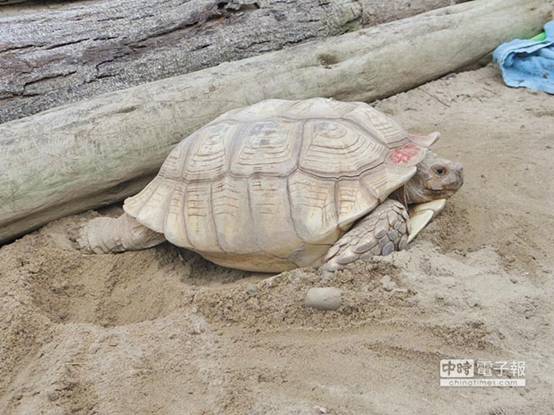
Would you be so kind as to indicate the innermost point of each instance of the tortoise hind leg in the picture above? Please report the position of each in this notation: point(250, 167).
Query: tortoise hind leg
point(382, 232)
point(105, 235)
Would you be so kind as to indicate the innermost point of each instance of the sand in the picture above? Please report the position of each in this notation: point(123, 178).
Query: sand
point(164, 332)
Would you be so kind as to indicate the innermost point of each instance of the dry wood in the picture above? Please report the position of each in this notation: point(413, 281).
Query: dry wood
point(55, 53)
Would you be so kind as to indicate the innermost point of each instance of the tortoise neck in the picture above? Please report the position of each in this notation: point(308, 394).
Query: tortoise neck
point(400, 195)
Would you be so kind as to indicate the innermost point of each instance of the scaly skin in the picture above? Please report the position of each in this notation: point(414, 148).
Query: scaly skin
point(382, 232)
point(105, 235)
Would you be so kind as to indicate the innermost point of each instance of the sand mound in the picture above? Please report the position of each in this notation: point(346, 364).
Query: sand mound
point(163, 331)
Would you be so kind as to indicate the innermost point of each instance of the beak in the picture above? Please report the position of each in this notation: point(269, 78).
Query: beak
point(459, 172)
point(459, 168)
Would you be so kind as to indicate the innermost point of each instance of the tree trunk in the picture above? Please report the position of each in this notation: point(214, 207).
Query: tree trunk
point(71, 158)
point(53, 54)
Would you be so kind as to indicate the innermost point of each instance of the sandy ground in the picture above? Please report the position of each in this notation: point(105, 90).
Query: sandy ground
point(165, 332)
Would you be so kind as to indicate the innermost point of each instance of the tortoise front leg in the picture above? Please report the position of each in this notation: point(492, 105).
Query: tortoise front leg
point(382, 232)
point(105, 235)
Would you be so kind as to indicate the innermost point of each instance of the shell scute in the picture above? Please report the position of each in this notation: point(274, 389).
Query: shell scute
point(313, 208)
point(232, 215)
point(353, 201)
point(318, 108)
point(208, 155)
point(332, 148)
point(272, 222)
point(378, 125)
point(267, 147)
point(198, 217)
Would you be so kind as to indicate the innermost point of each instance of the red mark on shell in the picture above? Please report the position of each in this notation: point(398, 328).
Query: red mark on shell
point(404, 154)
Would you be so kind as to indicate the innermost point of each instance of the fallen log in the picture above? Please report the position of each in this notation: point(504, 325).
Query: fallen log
point(50, 57)
point(71, 158)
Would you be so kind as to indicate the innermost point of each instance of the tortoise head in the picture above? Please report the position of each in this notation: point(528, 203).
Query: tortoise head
point(436, 178)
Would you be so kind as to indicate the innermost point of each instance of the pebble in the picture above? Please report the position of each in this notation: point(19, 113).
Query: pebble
point(323, 298)
point(388, 284)
point(252, 290)
point(53, 395)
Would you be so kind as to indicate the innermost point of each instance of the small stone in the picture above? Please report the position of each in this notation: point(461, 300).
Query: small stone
point(33, 268)
point(324, 298)
point(331, 265)
point(53, 395)
point(196, 330)
point(252, 290)
point(388, 284)
point(327, 274)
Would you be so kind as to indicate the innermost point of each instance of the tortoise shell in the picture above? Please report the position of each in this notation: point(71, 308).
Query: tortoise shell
point(275, 184)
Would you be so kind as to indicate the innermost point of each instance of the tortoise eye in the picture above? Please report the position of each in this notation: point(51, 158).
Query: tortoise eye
point(440, 170)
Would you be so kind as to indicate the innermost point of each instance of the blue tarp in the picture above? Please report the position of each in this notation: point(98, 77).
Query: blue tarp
point(528, 63)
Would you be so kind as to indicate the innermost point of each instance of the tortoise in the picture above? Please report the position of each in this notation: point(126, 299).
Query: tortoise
point(284, 184)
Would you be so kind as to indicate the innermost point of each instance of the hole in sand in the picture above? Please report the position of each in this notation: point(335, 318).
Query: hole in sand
point(111, 290)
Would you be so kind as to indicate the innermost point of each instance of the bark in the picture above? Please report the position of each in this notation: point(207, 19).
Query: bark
point(55, 53)
point(71, 158)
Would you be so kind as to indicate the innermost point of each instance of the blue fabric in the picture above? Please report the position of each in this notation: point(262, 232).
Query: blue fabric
point(528, 63)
